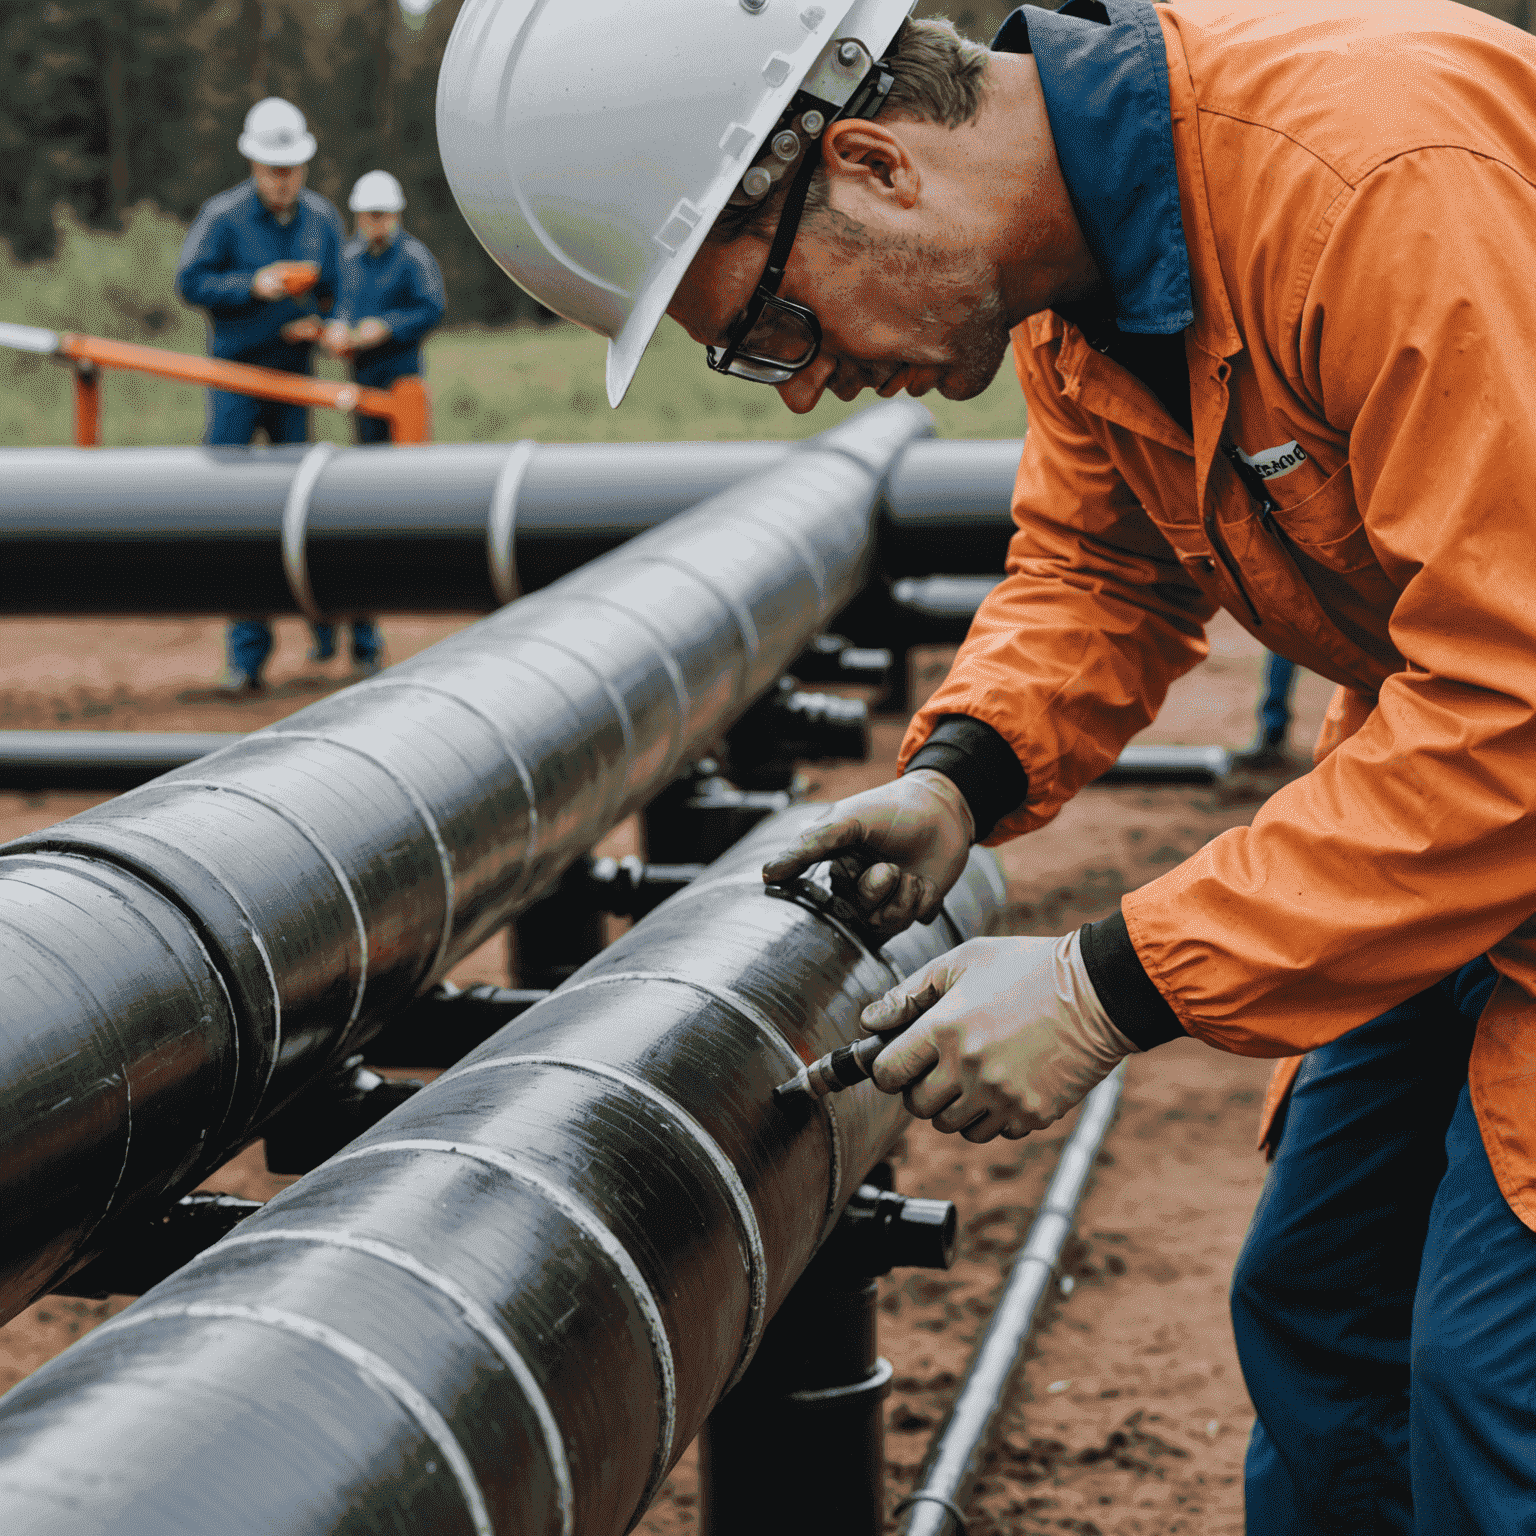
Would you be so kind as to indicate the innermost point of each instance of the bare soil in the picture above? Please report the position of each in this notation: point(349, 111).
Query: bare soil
point(1129, 1417)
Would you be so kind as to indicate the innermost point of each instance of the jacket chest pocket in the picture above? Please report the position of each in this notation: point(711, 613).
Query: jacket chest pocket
point(1325, 528)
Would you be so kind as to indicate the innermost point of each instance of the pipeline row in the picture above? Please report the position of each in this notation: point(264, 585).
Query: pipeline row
point(460, 528)
point(183, 960)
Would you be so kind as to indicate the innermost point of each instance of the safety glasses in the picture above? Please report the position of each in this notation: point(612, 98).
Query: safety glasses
point(774, 338)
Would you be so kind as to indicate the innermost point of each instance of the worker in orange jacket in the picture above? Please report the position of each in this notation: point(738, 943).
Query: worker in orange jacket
point(1266, 274)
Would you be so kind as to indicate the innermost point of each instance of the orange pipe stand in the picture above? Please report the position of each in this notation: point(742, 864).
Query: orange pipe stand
point(406, 405)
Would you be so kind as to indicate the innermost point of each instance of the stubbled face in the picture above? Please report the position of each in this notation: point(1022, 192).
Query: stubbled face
point(894, 316)
point(278, 186)
point(378, 229)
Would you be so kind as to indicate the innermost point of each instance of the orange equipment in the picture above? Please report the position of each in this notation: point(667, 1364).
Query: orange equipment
point(405, 405)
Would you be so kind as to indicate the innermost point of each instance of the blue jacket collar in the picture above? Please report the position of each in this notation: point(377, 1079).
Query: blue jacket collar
point(1104, 74)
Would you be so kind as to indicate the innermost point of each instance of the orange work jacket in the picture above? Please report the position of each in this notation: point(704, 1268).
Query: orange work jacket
point(1358, 191)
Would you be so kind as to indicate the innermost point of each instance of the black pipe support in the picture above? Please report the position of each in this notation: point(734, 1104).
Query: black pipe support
point(144, 1256)
point(812, 1403)
point(836, 659)
point(184, 960)
point(330, 1113)
point(439, 528)
point(444, 1025)
point(512, 1304)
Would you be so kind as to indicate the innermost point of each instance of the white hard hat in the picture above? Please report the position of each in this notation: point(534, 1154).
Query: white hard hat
point(592, 143)
point(276, 134)
point(376, 192)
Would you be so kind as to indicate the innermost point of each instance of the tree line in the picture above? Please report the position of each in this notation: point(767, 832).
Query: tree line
point(108, 103)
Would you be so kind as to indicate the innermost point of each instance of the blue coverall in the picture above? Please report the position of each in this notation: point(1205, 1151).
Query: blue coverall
point(403, 287)
point(233, 236)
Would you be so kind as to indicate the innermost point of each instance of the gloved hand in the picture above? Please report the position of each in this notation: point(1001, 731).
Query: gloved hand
point(900, 847)
point(1012, 1035)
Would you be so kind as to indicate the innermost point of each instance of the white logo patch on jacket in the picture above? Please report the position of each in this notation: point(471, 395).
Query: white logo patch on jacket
point(1272, 463)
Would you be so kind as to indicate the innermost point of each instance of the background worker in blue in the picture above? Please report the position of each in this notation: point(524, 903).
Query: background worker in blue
point(263, 259)
point(391, 296)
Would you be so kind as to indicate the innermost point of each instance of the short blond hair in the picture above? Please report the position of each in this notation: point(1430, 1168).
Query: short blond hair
point(940, 77)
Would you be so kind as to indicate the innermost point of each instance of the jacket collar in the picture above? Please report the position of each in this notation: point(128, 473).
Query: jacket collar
point(1104, 74)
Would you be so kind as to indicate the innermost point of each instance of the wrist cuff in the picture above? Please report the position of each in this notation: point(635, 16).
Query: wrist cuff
point(981, 765)
point(1127, 994)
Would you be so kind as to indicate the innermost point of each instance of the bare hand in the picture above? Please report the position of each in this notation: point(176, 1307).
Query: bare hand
point(305, 328)
point(899, 847)
point(337, 339)
point(268, 282)
point(369, 332)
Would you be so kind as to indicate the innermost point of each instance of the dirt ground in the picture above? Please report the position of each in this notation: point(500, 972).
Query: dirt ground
point(1130, 1416)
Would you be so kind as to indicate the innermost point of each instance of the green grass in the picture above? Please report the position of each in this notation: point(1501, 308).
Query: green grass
point(543, 382)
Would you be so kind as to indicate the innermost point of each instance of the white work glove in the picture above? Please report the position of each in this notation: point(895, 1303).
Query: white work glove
point(900, 847)
point(1011, 1036)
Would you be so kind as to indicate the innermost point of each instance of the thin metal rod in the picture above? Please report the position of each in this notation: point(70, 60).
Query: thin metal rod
point(446, 528)
point(510, 1305)
point(182, 961)
point(959, 1449)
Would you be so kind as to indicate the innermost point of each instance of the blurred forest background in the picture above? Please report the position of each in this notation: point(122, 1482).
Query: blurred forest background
point(106, 104)
point(119, 117)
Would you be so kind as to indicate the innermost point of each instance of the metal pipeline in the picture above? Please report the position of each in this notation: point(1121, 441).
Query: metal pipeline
point(38, 760)
point(182, 960)
point(936, 1506)
point(430, 528)
point(510, 1305)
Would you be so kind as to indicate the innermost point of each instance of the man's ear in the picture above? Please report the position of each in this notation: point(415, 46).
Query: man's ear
point(871, 158)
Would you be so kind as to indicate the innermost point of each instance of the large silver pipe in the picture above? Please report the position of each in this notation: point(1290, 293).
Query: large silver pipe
point(435, 528)
point(511, 1305)
point(936, 1506)
point(182, 960)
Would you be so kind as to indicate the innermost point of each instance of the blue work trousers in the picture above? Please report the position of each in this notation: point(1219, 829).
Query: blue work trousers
point(1384, 1304)
point(1275, 705)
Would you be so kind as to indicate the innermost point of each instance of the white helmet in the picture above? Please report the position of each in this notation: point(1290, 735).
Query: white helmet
point(591, 144)
point(376, 192)
point(276, 134)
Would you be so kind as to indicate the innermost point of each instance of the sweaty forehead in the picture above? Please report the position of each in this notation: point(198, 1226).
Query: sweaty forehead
point(716, 288)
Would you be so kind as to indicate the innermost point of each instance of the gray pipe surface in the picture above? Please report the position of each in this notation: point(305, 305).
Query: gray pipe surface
point(433, 528)
point(936, 1506)
point(510, 1305)
point(182, 960)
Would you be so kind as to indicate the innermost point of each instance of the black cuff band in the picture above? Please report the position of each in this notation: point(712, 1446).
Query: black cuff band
point(1130, 997)
point(982, 766)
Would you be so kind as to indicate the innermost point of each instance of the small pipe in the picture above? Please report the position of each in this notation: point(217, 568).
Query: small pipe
point(954, 1462)
point(101, 760)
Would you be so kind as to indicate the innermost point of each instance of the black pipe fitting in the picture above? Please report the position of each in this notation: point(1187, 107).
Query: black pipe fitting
point(836, 659)
point(319, 1122)
point(700, 815)
point(790, 726)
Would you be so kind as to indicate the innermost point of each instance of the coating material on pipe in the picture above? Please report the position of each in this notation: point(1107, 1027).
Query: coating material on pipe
point(955, 1458)
point(183, 960)
point(425, 528)
point(510, 1305)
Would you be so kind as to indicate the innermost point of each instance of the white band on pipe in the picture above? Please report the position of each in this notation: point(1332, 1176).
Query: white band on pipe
point(296, 528)
point(377, 1371)
point(501, 523)
point(480, 1319)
